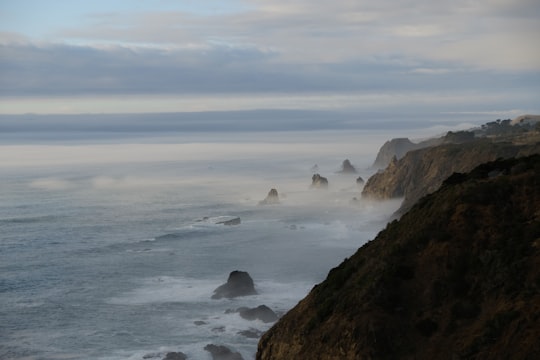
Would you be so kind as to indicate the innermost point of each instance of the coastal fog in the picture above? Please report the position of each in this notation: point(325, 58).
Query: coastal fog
point(110, 247)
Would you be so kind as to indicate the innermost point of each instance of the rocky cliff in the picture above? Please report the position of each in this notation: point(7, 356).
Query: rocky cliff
point(457, 277)
point(422, 171)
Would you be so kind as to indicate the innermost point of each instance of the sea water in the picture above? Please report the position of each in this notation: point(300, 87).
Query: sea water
point(108, 249)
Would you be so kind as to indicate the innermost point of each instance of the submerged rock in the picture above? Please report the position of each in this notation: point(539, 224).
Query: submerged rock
point(271, 199)
point(319, 182)
point(229, 222)
point(220, 352)
point(251, 333)
point(238, 284)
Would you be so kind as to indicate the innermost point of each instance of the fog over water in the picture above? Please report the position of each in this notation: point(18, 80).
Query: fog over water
point(105, 252)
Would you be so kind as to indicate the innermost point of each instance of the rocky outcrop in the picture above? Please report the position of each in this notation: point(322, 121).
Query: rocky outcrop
point(175, 356)
point(271, 199)
point(238, 284)
point(347, 168)
point(262, 312)
point(457, 277)
point(319, 182)
point(220, 352)
point(360, 181)
point(421, 172)
point(394, 148)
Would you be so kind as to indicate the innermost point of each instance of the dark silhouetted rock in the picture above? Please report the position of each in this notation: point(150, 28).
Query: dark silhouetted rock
point(271, 199)
point(175, 356)
point(238, 284)
point(220, 352)
point(262, 312)
point(347, 167)
point(319, 182)
point(456, 277)
point(200, 322)
point(359, 181)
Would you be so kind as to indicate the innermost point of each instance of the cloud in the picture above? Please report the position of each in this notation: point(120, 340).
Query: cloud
point(280, 47)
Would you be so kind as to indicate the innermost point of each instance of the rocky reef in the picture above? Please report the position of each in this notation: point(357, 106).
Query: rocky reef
point(456, 277)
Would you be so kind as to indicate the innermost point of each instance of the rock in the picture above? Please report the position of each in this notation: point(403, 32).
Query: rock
point(271, 199)
point(251, 333)
point(226, 221)
point(200, 322)
point(347, 167)
point(262, 312)
point(220, 352)
point(319, 182)
point(359, 181)
point(238, 284)
point(175, 356)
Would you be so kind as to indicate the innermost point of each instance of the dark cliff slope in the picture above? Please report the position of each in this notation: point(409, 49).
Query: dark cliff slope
point(421, 172)
point(457, 277)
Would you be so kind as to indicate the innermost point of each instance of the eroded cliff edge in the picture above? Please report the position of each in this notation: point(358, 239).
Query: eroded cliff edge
point(422, 171)
point(457, 277)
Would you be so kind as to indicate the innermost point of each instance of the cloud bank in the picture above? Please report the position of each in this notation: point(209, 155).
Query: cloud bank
point(283, 47)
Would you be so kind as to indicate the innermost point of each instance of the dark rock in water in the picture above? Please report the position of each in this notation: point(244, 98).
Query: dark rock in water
point(220, 220)
point(319, 182)
point(233, 221)
point(238, 284)
point(220, 352)
point(200, 322)
point(251, 333)
point(175, 356)
point(262, 312)
point(271, 198)
point(347, 167)
point(218, 329)
point(359, 181)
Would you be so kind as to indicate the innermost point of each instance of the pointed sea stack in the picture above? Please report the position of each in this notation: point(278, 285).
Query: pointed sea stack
point(271, 199)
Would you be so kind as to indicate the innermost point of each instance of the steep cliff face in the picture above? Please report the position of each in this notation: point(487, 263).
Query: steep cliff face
point(421, 172)
point(457, 277)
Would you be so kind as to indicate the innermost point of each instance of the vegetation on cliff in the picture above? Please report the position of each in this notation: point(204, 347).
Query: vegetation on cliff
point(457, 277)
point(422, 171)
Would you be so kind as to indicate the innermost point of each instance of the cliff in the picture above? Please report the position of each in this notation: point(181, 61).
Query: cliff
point(457, 277)
point(422, 171)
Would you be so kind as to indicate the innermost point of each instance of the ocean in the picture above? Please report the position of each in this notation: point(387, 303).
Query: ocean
point(110, 247)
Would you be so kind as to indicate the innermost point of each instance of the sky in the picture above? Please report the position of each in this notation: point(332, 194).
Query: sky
point(147, 56)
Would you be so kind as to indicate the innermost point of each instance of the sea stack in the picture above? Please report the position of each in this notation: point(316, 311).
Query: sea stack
point(238, 284)
point(347, 167)
point(319, 182)
point(271, 199)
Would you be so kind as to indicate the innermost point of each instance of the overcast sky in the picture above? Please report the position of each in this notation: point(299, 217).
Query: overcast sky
point(462, 56)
